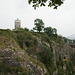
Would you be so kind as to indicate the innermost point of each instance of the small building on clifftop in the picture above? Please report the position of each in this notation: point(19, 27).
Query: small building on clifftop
point(17, 24)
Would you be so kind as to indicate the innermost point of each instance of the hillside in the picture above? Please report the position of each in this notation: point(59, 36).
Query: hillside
point(31, 53)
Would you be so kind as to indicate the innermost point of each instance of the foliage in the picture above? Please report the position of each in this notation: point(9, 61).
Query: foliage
point(7, 33)
point(20, 29)
point(61, 71)
point(50, 31)
point(32, 30)
point(19, 58)
point(33, 42)
point(21, 39)
point(47, 56)
point(26, 29)
point(4, 70)
point(54, 3)
point(39, 25)
point(69, 70)
point(26, 41)
point(59, 62)
point(73, 58)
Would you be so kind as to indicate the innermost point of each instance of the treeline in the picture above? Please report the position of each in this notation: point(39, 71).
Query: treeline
point(39, 27)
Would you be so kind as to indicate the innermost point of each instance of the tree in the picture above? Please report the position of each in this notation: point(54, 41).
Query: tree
point(54, 3)
point(39, 25)
point(47, 56)
point(26, 29)
point(50, 31)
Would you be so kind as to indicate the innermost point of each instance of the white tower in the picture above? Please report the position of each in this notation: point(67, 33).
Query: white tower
point(17, 24)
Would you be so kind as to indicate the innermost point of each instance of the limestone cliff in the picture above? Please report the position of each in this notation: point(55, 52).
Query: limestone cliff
point(14, 60)
point(31, 53)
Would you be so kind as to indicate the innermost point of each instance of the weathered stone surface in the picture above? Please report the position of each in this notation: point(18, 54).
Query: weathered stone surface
point(64, 50)
point(9, 57)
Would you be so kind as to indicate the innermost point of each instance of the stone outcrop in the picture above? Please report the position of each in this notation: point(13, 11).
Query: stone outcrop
point(12, 56)
point(62, 50)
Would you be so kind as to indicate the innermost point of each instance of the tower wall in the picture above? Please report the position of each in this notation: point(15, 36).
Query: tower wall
point(17, 24)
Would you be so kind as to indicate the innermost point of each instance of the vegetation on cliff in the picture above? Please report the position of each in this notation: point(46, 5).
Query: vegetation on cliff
point(25, 52)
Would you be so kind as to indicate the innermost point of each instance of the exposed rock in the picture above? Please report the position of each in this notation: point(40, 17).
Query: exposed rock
point(62, 50)
point(11, 56)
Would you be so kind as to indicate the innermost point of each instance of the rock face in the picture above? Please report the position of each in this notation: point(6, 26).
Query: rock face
point(59, 49)
point(62, 50)
point(14, 61)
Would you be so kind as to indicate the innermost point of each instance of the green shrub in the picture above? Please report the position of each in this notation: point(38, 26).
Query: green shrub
point(47, 56)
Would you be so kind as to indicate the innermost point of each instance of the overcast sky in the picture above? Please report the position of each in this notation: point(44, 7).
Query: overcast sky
point(63, 19)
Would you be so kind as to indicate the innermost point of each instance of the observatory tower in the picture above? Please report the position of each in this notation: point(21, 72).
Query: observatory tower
point(17, 24)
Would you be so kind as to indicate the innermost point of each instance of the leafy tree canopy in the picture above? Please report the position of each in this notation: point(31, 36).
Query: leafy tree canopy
point(50, 31)
point(26, 29)
point(39, 25)
point(54, 3)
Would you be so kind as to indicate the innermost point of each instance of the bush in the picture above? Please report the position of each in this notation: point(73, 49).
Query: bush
point(47, 56)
